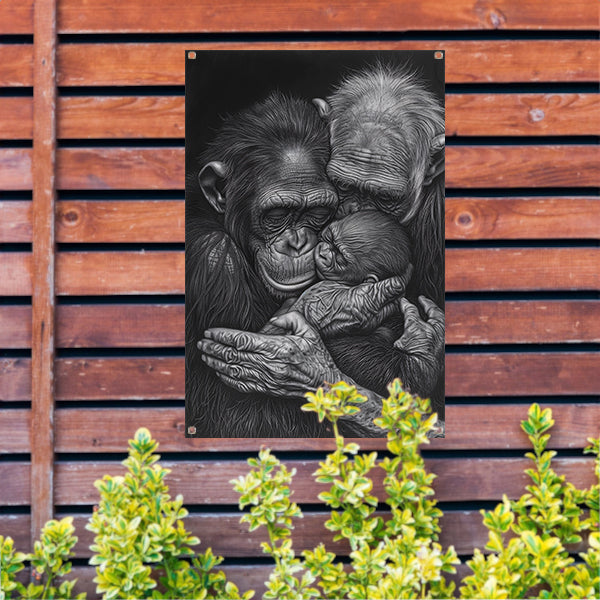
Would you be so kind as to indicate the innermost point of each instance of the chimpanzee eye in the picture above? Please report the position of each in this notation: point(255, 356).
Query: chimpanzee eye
point(319, 215)
point(275, 217)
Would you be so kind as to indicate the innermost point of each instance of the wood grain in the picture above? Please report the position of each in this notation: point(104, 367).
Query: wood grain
point(15, 326)
point(15, 437)
point(111, 117)
point(523, 322)
point(16, 65)
point(16, 274)
point(15, 169)
point(15, 221)
point(495, 269)
point(522, 114)
point(309, 15)
point(223, 532)
point(522, 218)
point(16, 118)
point(16, 16)
point(15, 379)
point(466, 61)
point(466, 167)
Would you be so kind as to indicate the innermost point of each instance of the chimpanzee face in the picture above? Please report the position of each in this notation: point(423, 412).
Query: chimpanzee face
point(293, 204)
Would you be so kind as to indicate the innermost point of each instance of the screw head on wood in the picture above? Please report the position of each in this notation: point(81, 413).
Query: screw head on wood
point(439, 55)
point(192, 430)
point(191, 55)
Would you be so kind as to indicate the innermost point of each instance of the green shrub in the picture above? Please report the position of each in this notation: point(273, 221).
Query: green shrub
point(400, 558)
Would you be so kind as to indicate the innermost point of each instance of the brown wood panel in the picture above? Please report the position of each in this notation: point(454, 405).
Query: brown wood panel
point(522, 166)
point(16, 16)
point(16, 484)
point(208, 482)
point(16, 118)
point(121, 221)
point(106, 273)
point(16, 65)
point(15, 379)
point(227, 537)
point(121, 117)
point(158, 272)
point(523, 322)
point(16, 274)
point(467, 427)
point(466, 61)
point(466, 114)
point(15, 435)
point(522, 218)
point(522, 114)
point(466, 167)
point(15, 326)
point(311, 15)
point(522, 269)
point(15, 169)
point(15, 221)
point(163, 220)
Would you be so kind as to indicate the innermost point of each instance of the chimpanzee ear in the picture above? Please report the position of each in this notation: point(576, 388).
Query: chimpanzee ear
point(371, 278)
point(322, 107)
point(211, 178)
point(436, 167)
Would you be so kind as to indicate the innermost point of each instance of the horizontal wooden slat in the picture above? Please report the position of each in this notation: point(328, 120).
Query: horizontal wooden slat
point(121, 221)
point(466, 61)
point(163, 116)
point(158, 272)
point(229, 538)
point(162, 325)
point(467, 427)
point(15, 169)
point(16, 16)
point(16, 65)
point(522, 114)
point(311, 15)
point(15, 221)
point(16, 118)
point(523, 322)
point(522, 218)
point(466, 167)
point(480, 374)
point(522, 269)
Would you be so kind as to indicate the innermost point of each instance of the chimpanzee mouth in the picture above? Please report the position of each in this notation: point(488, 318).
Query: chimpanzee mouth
point(291, 286)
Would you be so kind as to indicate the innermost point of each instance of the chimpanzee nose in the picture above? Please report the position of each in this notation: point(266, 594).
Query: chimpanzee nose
point(299, 242)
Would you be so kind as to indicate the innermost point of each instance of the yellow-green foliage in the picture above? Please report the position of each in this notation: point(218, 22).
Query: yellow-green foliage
point(400, 557)
point(141, 548)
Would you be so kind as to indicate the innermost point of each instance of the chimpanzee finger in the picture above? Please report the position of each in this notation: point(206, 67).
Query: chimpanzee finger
point(393, 286)
point(246, 386)
point(236, 372)
point(226, 353)
point(241, 340)
point(411, 313)
point(432, 310)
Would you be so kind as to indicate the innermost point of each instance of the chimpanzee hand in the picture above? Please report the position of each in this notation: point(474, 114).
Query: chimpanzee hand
point(334, 309)
point(279, 365)
point(421, 339)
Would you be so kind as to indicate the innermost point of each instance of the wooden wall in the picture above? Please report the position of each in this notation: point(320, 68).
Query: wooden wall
point(522, 230)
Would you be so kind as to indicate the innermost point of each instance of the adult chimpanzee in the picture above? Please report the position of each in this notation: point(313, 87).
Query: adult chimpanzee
point(387, 141)
point(250, 246)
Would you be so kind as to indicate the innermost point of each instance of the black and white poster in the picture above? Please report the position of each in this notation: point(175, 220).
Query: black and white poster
point(314, 232)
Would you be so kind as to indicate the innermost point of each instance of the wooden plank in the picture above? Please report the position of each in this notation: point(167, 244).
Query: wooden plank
point(522, 166)
point(466, 167)
point(15, 435)
point(44, 250)
point(522, 114)
point(523, 322)
point(208, 482)
point(15, 169)
point(467, 427)
point(121, 221)
point(163, 220)
point(16, 118)
point(16, 65)
point(16, 274)
point(15, 221)
point(229, 538)
point(15, 379)
point(16, 483)
point(466, 114)
point(522, 269)
point(16, 16)
point(162, 325)
point(466, 61)
point(106, 273)
point(480, 374)
point(522, 218)
point(121, 117)
point(15, 326)
point(133, 16)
